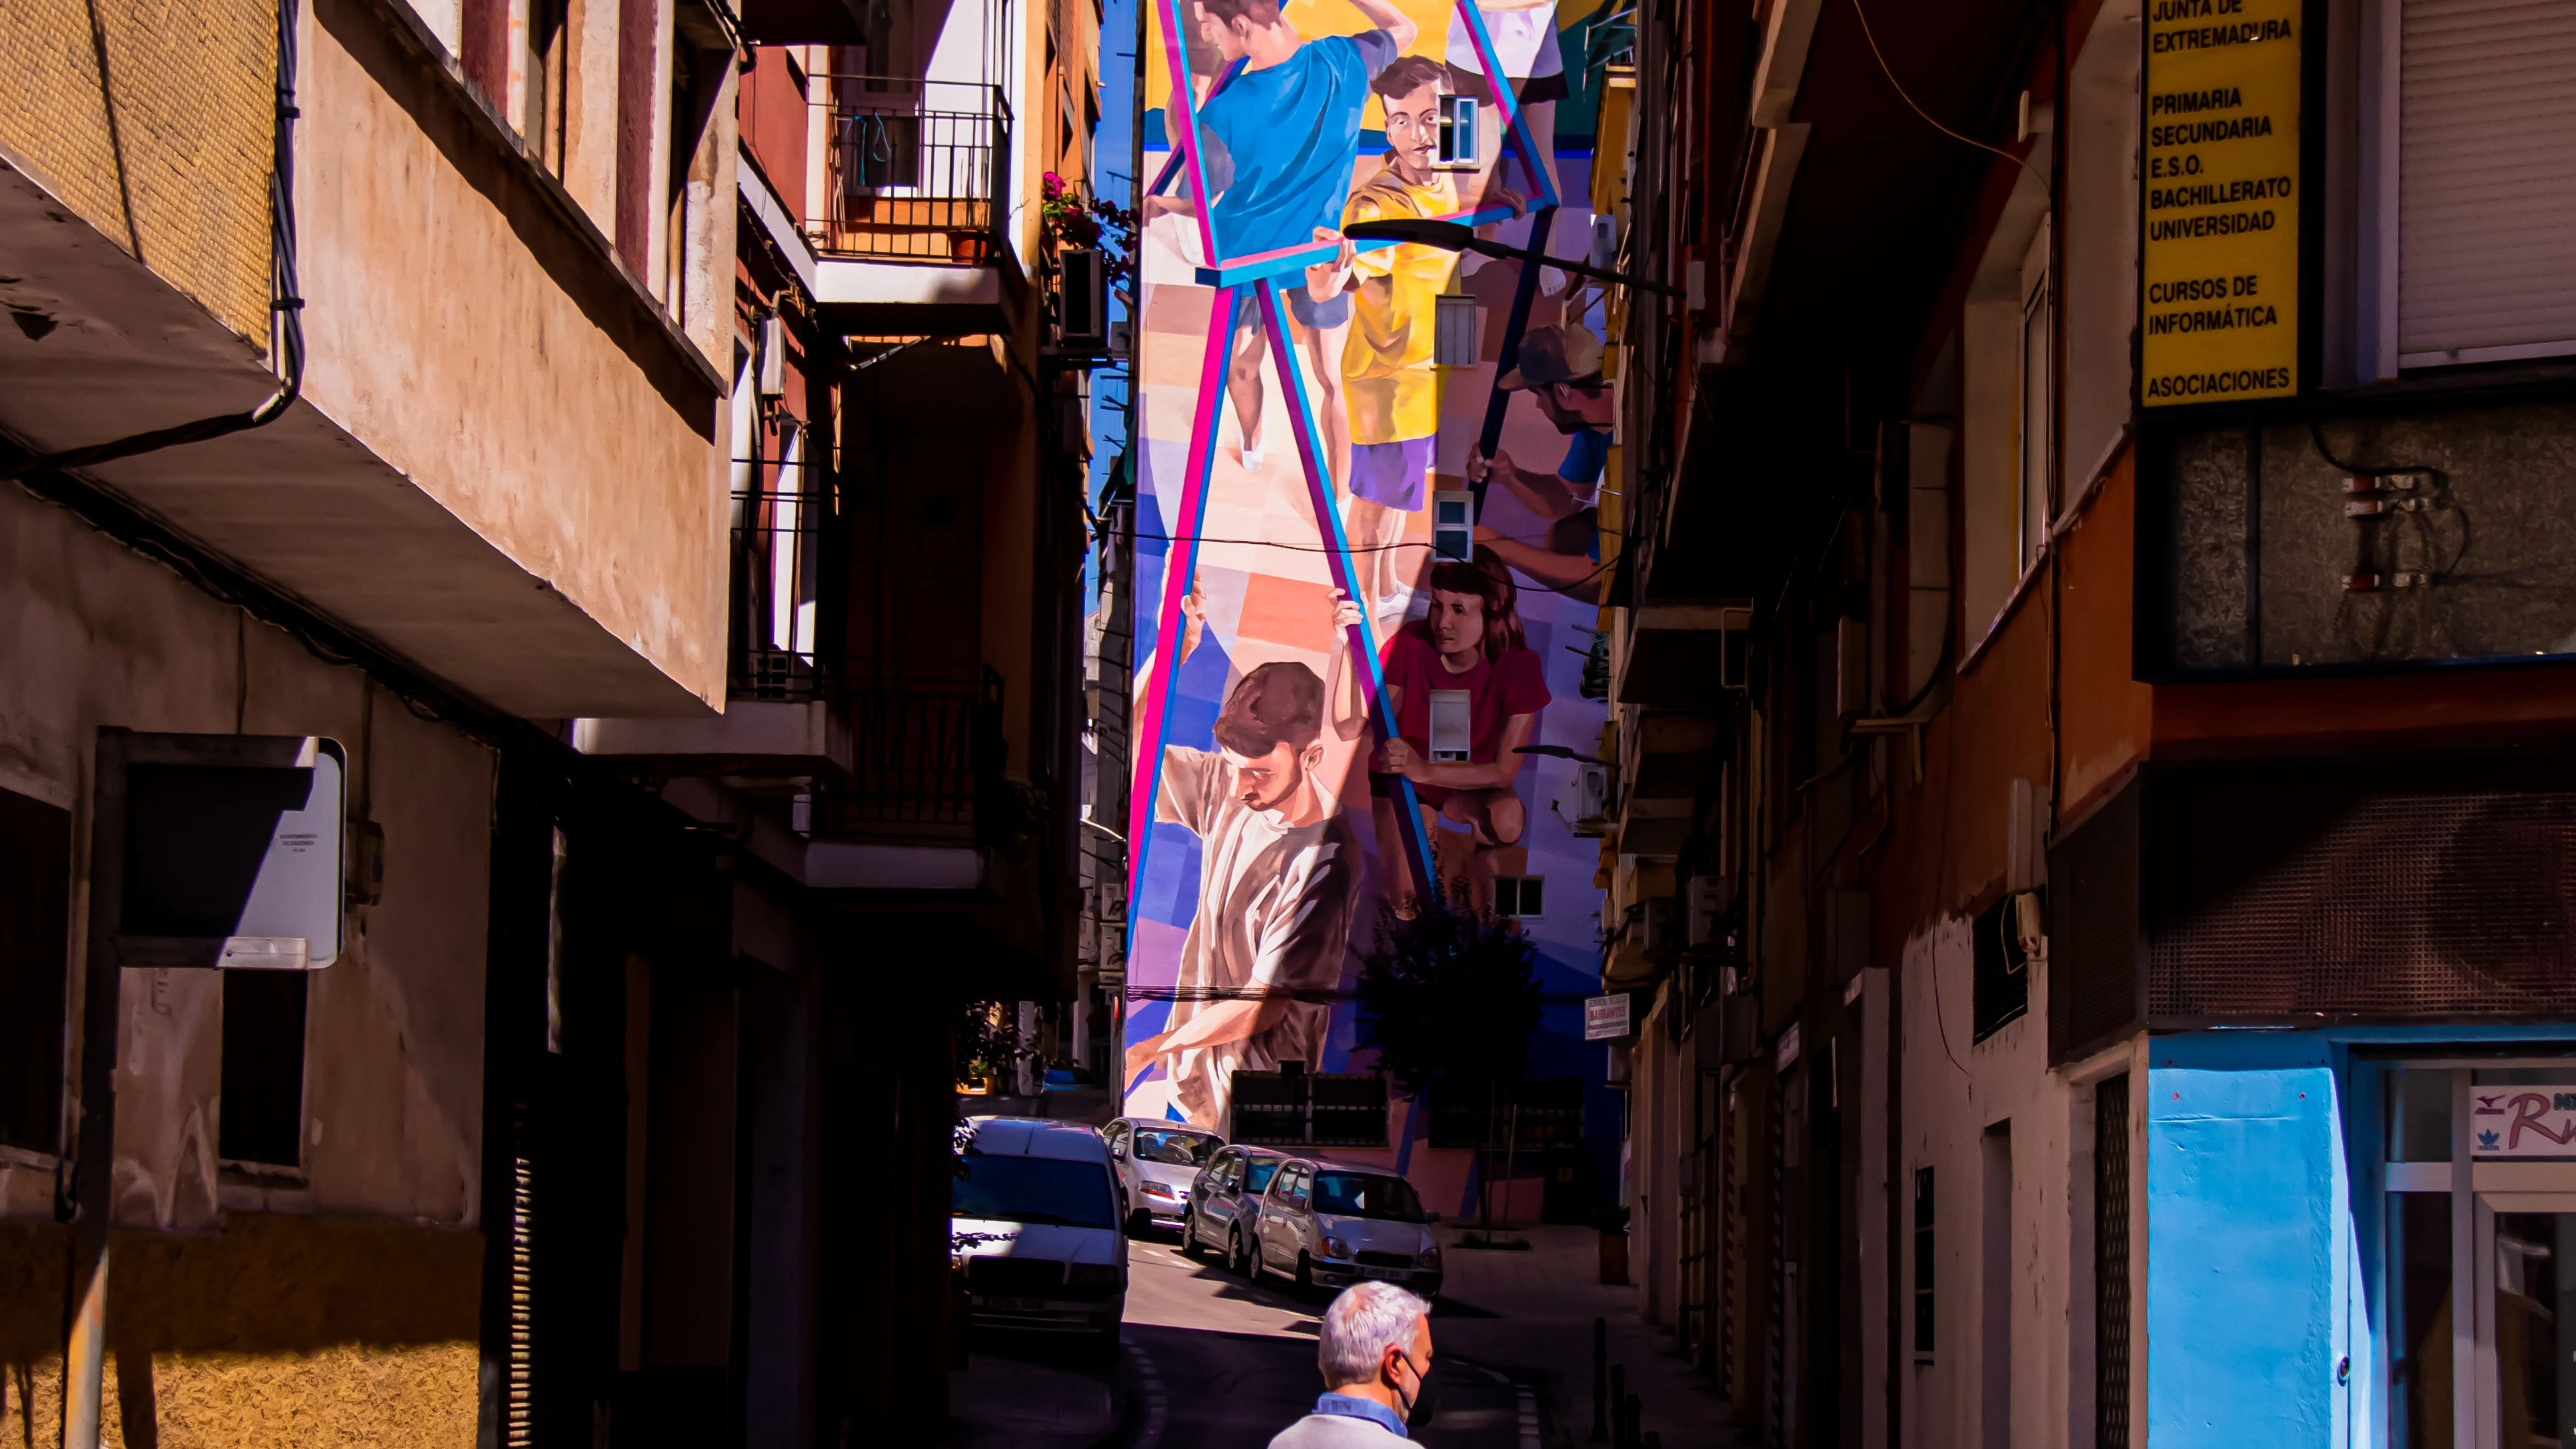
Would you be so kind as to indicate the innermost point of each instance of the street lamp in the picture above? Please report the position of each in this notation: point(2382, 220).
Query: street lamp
point(1457, 237)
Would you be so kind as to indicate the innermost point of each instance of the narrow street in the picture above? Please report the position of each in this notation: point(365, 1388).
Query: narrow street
point(1211, 1359)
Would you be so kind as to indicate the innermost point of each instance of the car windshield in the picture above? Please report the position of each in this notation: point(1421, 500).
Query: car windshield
point(1257, 1175)
point(1058, 1190)
point(1366, 1195)
point(1180, 1149)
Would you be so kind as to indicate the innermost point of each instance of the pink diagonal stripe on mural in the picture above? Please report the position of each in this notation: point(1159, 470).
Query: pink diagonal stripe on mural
point(1337, 560)
point(1180, 567)
point(1513, 121)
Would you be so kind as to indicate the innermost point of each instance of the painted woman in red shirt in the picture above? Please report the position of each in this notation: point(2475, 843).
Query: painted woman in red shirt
point(1464, 690)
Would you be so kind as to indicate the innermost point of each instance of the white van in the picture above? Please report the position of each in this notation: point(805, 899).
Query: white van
point(1033, 1220)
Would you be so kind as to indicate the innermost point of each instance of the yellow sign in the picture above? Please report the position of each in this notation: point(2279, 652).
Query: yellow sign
point(2221, 201)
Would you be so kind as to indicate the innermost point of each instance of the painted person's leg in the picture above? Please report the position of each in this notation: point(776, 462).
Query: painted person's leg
point(1243, 384)
point(1323, 349)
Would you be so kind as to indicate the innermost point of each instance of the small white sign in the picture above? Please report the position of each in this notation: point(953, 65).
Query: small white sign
point(1786, 1056)
point(1605, 1018)
point(2523, 1121)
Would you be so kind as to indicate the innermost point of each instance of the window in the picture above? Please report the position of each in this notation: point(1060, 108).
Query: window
point(35, 921)
point(2001, 989)
point(1923, 1219)
point(2111, 1263)
point(545, 78)
point(1367, 1195)
point(263, 1068)
point(1060, 1191)
point(1523, 896)
point(1172, 1147)
point(2482, 181)
point(2512, 1128)
point(1457, 338)
point(2035, 368)
point(1457, 144)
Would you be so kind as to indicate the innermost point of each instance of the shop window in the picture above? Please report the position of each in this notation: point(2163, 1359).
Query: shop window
point(2512, 1130)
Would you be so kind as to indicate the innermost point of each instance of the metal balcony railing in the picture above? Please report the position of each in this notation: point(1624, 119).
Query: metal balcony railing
point(926, 754)
point(777, 589)
point(915, 169)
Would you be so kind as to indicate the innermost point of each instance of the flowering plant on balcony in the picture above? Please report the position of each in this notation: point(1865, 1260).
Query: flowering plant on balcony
point(1074, 220)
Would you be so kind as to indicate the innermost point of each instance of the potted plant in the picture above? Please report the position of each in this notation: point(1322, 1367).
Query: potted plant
point(1612, 1220)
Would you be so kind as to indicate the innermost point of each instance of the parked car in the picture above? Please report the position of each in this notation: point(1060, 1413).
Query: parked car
point(1033, 1223)
point(1327, 1225)
point(1156, 1161)
point(1223, 1201)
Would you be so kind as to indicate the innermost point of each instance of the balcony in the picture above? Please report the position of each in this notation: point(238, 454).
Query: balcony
point(780, 720)
point(925, 799)
point(913, 233)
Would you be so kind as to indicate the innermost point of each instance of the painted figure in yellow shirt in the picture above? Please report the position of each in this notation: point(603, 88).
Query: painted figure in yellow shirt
point(1387, 374)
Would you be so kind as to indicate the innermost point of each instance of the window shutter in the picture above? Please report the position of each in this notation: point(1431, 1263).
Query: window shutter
point(2487, 181)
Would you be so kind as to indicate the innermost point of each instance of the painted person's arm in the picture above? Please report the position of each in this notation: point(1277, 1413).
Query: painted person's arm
point(1341, 681)
point(1492, 774)
point(1572, 574)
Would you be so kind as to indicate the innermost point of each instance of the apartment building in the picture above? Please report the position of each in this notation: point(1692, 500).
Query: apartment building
point(634, 523)
point(2089, 667)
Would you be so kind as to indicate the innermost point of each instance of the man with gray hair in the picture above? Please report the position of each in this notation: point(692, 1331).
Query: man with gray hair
point(1376, 1357)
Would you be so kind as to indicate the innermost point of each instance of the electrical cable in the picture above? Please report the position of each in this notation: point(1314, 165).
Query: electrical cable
point(1867, 34)
point(285, 303)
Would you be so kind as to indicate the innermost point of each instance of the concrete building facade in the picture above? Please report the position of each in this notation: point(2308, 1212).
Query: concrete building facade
point(2088, 796)
point(629, 457)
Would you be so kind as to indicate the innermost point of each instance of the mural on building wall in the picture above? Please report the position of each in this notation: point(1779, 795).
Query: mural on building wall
point(1335, 702)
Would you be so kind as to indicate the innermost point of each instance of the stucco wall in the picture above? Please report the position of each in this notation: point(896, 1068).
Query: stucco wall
point(98, 636)
point(354, 1320)
point(1954, 1089)
point(469, 334)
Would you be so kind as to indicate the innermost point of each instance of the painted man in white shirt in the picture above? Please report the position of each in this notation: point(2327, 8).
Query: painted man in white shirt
point(1279, 880)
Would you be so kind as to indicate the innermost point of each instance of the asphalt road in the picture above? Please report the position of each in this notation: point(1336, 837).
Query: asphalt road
point(1215, 1362)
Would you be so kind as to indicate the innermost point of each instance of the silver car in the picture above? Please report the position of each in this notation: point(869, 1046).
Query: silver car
point(1224, 1200)
point(1155, 1162)
point(1327, 1226)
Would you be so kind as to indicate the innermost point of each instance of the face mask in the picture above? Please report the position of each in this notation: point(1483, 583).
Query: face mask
point(1426, 1396)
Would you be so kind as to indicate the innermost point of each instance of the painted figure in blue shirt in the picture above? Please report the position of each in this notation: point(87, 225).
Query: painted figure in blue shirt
point(1560, 369)
point(1279, 142)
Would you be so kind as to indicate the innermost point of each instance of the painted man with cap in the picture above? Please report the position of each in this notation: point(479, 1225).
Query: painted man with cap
point(1560, 369)
point(1279, 881)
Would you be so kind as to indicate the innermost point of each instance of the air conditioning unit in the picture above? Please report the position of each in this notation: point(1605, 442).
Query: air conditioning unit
point(1083, 318)
point(1711, 899)
point(1591, 790)
point(1654, 928)
point(1605, 241)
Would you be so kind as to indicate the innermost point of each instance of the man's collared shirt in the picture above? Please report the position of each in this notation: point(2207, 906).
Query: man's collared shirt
point(1355, 1407)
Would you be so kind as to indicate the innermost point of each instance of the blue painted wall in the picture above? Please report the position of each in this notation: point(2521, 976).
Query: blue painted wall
point(2251, 1256)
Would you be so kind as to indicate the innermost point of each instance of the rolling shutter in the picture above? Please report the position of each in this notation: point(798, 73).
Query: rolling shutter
point(2487, 181)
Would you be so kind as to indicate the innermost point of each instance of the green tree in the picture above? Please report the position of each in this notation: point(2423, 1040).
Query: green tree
point(1450, 999)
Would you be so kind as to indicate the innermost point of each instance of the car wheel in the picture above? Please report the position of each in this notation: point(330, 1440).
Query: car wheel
point(1305, 1274)
point(1189, 1232)
point(1235, 1258)
point(1139, 1222)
